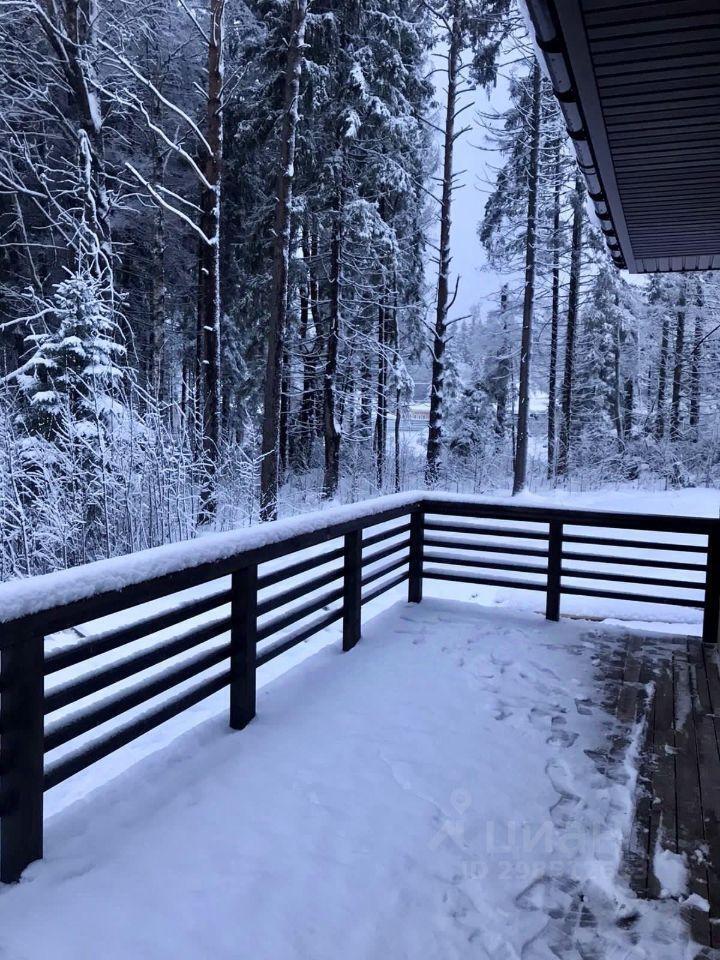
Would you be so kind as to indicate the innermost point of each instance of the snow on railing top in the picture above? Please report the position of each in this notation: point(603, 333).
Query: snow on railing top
point(24, 597)
point(20, 598)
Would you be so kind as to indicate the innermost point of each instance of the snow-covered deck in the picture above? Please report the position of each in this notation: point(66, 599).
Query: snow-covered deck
point(458, 785)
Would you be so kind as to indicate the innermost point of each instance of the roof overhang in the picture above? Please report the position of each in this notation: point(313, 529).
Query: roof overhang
point(639, 85)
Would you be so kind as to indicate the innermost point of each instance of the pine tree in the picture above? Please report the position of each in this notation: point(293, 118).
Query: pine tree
point(470, 430)
point(76, 362)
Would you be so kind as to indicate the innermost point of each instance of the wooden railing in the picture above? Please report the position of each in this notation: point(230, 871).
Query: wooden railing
point(255, 618)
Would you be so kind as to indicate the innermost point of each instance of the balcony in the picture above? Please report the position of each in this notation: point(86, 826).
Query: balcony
point(463, 777)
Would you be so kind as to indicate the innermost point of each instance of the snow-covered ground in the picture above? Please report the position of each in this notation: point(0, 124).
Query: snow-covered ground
point(429, 794)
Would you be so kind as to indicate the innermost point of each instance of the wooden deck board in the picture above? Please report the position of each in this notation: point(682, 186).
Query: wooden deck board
point(709, 772)
point(689, 795)
point(678, 789)
point(638, 853)
point(663, 819)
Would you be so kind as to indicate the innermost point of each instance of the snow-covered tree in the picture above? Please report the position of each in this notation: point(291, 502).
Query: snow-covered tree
point(76, 360)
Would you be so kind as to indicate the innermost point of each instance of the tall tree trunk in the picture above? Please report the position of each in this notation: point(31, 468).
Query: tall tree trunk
point(281, 258)
point(81, 23)
point(554, 315)
point(617, 385)
point(208, 312)
point(331, 431)
point(71, 29)
point(284, 416)
point(396, 372)
point(158, 291)
point(628, 403)
point(158, 378)
point(695, 364)
point(365, 411)
point(345, 389)
point(504, 370)
point(396, 439)
point(678, 366)
point(662, 378)
point(381, 397)
point(434, 444)
point(304, 436)
point(521, 450)
point(572, 312)
point(319, 343)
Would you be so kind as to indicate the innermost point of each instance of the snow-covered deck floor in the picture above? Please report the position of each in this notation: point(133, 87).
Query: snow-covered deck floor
point(434, 793)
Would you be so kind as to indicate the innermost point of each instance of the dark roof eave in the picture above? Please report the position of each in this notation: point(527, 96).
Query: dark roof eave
point(550, 42)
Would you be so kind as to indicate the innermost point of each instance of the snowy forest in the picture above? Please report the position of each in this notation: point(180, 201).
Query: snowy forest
point(227, 282)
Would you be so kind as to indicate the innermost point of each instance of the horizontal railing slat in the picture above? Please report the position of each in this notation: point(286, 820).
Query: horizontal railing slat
point(59, 771)
point(302, 566)
point(383, 571)
point(385, 552)
point(634, 544)
point(486, 547)
point(660, 523)
point(94, 646)
point(631, 578)
point(631, 561)
point(432, 573)
point(287, 619)
point(485, 564)
point(292, 640)
point(383, 587)
point(618, 595)
point(523, 533)
point(386, 535)
point(65, 730)
point(299, 590)
point(67, 693)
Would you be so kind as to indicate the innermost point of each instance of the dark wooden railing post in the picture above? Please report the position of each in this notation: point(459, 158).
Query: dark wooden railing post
point(243, 646)
point(554, 568)
point(352, 589)
point(415, 572)
point(711, 609)
point(21, 755)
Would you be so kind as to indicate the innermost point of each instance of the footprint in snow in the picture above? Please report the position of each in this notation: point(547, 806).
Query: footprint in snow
point(502, 712)
point(501, 664)
point(542, 688)
point(559, 736)
point(561, 778)
point(540, 717)
point(562, 811)
point(546, 670)
point(552, 895)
